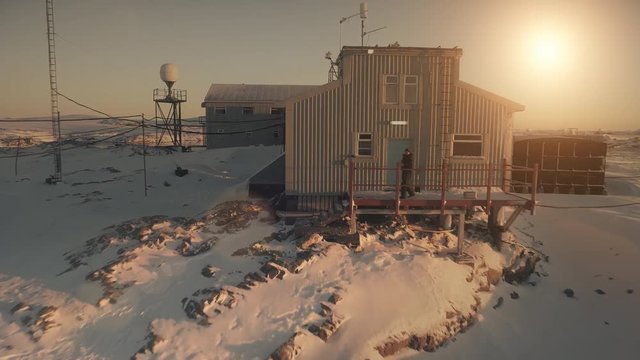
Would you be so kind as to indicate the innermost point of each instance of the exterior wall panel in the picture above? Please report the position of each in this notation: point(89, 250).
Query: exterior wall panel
point(322, 128)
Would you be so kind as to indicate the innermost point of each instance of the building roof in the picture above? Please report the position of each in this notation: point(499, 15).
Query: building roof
point(514, 106)
point(253, 92)
point(402, 50)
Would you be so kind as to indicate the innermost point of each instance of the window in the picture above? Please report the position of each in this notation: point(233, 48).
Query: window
point(276, 134)
point(247, 111)
point(220, 131)
point(249, 133)
point(365, 144)
point(410, 89)
point(390, 89)
point(220, 110)
point(467, 145)
point(277, 110)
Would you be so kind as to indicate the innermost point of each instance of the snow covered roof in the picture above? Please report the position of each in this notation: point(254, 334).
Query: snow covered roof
point(253, 92)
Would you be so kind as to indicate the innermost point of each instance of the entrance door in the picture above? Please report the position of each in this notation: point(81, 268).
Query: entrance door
point(395, 148)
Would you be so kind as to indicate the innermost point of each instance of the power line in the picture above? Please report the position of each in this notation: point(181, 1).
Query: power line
point(92, 109)
point(93, 142)
point(587, 206)
point(68, 120)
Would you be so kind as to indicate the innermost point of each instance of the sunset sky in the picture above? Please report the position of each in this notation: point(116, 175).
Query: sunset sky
point(573, 63)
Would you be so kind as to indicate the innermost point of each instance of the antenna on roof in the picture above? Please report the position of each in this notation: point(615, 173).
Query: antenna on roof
point(363, 15)
point(333, 73)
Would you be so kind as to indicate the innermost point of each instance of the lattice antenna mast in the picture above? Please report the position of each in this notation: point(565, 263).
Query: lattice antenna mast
point(55, 113)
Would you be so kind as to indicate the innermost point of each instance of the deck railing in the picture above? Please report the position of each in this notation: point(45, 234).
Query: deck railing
point(368, 178)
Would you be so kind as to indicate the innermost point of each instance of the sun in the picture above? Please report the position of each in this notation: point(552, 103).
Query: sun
point(547, 51)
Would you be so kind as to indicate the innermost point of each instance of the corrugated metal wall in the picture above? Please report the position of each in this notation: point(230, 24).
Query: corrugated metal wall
point(322, 128)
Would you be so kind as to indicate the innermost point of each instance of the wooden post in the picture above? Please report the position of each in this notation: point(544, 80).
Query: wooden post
point(534, 188)
point(505, 183)
point(489, 185)
point(144, 156)
point(443, 186)
point(398, 187)
point(460, 234)
point(17, 155)
point(443, 193)
point(352, 206)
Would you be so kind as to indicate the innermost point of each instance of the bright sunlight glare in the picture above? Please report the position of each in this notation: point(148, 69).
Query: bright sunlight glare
point(547, 51)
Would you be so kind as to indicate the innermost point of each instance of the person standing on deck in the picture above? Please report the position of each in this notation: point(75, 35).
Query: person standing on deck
point(407, 174)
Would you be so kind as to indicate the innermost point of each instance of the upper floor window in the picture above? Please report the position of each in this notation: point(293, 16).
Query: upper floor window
point(220, 110)
point(390, 89)
point(277, 110)
point(467, 145)
point(365, 144)
point(410, 89)
point(247, 111)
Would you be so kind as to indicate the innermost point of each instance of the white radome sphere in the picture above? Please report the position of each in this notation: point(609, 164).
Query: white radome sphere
point(169, 72)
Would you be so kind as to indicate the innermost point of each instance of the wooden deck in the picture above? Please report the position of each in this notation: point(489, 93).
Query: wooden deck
point(447, 201)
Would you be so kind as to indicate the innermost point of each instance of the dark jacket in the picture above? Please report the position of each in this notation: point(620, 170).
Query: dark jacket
point(407, 161)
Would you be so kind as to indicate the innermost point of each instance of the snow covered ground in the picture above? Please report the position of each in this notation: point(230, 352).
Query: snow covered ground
point(91, 268)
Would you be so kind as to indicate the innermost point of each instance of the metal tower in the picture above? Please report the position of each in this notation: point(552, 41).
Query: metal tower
point(55, 113)
point(172, 120)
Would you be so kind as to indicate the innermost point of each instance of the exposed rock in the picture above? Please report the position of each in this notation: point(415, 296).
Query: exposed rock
point(20, 307)
point(455, 323)
point(494, 276)
point(290, 349)
point(600, 292)
point(187, 249)
point(180, 172)
point(520, 270)
point(514, 295)
point(327, 328)
point(209, 271)
point(273, 270)
point(498, 303)
point(569, 292)
point(352, 241)
point(326, 309)
point(305, 243)
point(335, 298)
point(393, 345)
point(193, 309)
point(152, 341)
point(629, 291)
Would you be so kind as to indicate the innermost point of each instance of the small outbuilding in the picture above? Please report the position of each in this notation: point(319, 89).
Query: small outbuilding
point(247, 114)
point(568, 164)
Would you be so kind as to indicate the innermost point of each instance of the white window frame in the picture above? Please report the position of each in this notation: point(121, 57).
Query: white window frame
point(468, 139)
point(407, 84)
point(386, 83)
point(361, 138)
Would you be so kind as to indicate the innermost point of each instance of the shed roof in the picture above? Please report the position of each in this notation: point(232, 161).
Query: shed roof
point(253, 92)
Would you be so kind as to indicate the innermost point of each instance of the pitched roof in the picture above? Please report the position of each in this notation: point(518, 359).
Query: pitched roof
point(514, 106)
point(253, 92)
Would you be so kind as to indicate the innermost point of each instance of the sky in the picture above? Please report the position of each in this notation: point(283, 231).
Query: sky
point(572, 63)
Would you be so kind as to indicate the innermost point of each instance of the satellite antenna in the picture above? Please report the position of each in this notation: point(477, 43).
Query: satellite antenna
point(172, 119)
